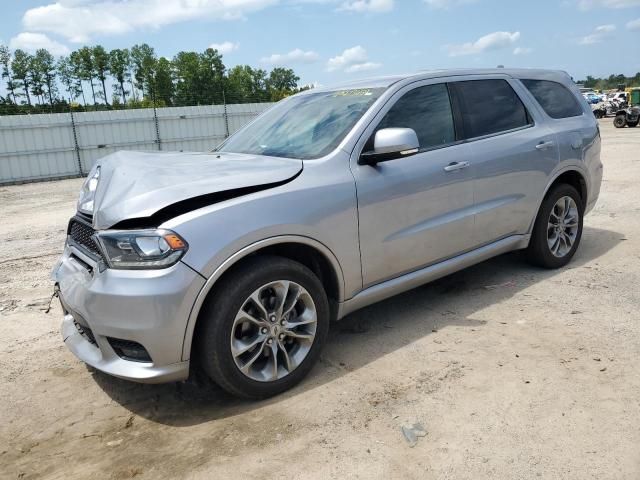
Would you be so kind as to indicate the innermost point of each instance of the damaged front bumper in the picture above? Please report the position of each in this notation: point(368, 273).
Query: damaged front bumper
point(127, 323)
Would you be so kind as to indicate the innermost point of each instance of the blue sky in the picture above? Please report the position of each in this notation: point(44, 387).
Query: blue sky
point(328, 41)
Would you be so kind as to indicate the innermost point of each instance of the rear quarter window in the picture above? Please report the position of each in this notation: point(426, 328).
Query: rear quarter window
point(556, 99)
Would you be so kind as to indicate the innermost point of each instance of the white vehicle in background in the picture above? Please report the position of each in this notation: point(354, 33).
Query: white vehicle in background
point(619, 97)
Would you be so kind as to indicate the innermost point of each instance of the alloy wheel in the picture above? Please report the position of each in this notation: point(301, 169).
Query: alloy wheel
point(562, 226)
point(273, 331)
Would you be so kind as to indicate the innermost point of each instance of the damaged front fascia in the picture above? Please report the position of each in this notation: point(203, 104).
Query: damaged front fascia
point(191, 204)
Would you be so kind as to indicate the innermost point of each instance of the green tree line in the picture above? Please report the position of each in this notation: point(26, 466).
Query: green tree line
point(612, 82)
point(93, 78)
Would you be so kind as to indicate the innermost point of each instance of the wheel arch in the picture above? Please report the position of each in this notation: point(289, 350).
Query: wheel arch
point(574, 178)
point(570, 175)
point(310, 252)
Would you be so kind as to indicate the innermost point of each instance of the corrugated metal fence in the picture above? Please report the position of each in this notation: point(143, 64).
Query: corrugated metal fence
point(59, 145)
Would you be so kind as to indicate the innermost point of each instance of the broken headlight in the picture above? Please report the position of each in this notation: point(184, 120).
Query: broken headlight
point(88, 192)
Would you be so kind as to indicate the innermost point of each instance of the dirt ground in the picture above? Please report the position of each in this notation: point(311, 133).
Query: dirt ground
point(514, 372)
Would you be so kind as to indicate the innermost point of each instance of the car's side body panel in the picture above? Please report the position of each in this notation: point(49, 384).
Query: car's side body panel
point(394, 286)
point(319, 204)
point(510, 177)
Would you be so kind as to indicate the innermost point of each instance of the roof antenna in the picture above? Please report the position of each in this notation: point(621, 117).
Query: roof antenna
point(500, 66)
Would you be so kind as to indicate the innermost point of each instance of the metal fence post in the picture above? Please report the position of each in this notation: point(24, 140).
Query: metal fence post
point(155, 119)
point(75, 140)
point(225, 115)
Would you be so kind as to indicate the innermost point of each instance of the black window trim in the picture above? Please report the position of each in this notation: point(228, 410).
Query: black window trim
point(458, 112)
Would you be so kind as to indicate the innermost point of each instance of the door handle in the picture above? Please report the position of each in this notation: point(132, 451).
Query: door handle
point(454, 166)
point(544, 145)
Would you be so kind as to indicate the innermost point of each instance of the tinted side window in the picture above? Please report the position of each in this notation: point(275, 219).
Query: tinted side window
point(555, 98)
point(489, 106)
point(428, 111)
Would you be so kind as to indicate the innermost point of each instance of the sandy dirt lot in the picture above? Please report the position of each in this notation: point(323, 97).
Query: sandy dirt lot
point(514, 372)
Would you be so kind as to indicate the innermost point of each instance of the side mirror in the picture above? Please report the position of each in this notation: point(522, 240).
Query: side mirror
point(391, 143)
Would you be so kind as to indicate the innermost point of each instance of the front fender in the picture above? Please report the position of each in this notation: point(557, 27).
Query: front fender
point(239, 255)
point(318, 209)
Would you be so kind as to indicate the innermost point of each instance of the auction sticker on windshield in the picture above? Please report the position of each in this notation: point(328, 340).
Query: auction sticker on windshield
point(360, 92)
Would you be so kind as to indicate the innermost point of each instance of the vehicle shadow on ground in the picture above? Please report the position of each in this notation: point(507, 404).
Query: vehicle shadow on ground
point(363, 336)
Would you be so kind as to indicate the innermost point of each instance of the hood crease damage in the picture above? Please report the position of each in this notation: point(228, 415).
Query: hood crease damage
point(145, 189)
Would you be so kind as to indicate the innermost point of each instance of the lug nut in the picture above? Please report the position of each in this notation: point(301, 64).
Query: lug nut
point(272, 318)
point(270, 341)
point(282, 322)
point(281, 336)
point(263, 330)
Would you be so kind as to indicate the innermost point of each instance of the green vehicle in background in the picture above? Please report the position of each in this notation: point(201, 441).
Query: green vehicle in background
point(629, 116)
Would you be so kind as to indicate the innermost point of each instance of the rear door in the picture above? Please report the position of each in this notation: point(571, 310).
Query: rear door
point(513, 153)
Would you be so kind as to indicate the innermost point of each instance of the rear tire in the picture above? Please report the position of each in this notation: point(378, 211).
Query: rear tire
point(620, 121)
point(285, 334)
point(558, 228)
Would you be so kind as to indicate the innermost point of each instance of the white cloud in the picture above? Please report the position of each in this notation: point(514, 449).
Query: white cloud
point(33, 41)
point(447, 3)
point(363, 67)
point(350, 56)
point(225, 47)
point(588, 4)
point(522, 50)
point(352, 60)
point(376, 6)
point(598, 35)
point(294, 56)
point(634, 24)
point(79, 20)
point(492, 41)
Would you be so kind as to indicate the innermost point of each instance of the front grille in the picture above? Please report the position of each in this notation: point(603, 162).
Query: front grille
point(81, 233)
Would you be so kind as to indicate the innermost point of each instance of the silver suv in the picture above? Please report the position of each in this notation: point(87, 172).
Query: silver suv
point(237, 260)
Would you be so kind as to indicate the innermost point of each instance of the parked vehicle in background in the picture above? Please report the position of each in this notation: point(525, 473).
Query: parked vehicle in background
point(334, 199)
point(633, 96)
point(619, 97)
point(628, 117)
point(608, 108)
point(592, 97)
point(600, 110)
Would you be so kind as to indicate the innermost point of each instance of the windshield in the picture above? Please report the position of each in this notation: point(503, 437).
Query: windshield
point(306, 126)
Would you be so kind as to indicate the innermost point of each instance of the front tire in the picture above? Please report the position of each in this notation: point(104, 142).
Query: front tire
point(263, 329)
point(558, 228)
point(620, 121)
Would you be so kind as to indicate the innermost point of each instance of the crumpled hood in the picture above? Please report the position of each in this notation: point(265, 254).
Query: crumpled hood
point(139, 184)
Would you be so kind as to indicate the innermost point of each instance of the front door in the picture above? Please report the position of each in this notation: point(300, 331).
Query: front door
point(418, 210)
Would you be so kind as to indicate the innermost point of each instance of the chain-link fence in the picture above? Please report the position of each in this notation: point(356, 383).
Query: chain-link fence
point(37, 147)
